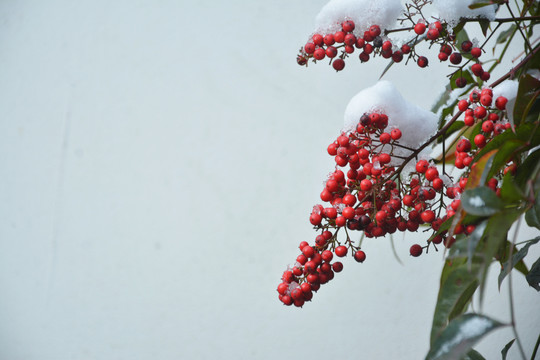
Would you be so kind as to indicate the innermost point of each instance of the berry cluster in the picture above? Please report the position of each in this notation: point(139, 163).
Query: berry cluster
point(370, 43)
point(365, 193)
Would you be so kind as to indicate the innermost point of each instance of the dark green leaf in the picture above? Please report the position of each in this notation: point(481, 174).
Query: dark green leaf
point(505, 154)
point(456, 126)
point(460, 336)
point(496, 235)
point(504, 351)
point(532, 217)
point(474, 355)
point(510, 192)
point(524, 133)
point(481, 201)
point(527, 93)
point(533, 277)
point(484, 25)
point(516, 258)
point(528, 169)
point(457, 280)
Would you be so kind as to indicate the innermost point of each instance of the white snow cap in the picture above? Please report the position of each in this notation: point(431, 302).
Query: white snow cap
point(416, 124)
point(453, 10)
point(364, 13)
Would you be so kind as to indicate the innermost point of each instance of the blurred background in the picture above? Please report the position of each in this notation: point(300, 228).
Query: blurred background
point(158, 164)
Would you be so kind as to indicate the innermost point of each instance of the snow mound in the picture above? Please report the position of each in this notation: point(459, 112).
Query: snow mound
point(452, 11)
point(415, 123)
point(364, 13)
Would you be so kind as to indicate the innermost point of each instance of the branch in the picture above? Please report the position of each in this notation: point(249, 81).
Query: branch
point(443, 130)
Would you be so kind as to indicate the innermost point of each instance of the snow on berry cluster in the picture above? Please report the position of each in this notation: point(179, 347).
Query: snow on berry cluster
point(368, 193)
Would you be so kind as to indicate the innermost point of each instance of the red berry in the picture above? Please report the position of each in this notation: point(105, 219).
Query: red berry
point(338, 64)
point(501, 102)
point(395, 134)
point(366, 185)
point(433, 34)
point(309, 48)
point(329, 39)
point(487, 126)
point(422, 166)
point(427, 216)
point(385, 138)
point(348, 212)
point(485, 76)
point(341, 251)
point(348, 25)
point(432, 173)
point(486, 100)
point(463, 105)
point(317, 39)
point(375, 31)
point(422, 61)
point(416, 250)
point(319, 54)
point(308, 251)
point(461, 82)
point(331, 52)
point(397, 56)
point(405, 49)
point(476, 52)
point(360, 256)
point(419, 28)
point(337, 266)
point(463, 145)
point(455, 58)
point(339, 36)
point(466, 46)
point(480, 140)
point(350, 40)
point(477, 69)
point(480, 112)
point(315, 219)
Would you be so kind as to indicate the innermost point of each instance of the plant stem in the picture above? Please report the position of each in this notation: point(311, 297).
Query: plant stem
point(535, 348)
point(511, 294)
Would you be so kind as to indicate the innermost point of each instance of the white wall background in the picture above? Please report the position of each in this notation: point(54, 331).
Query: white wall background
point(158, 163)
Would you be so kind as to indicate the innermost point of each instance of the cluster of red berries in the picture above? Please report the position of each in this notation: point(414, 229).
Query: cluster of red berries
point(488, 114)
point(370, 43)
point(313, 268)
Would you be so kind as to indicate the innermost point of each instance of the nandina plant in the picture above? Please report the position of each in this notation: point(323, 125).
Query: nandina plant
point(482, 178)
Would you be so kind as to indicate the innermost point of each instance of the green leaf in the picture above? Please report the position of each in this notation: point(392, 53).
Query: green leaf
point(460, 336)
point(478, 175)
point(532, 217)
point(524, 133)
point(496, 236)
point(458, 283)
point(474, 239)
point(510, 192)
point(481, 201)
point(505, 154)
point(503, 36)
point(516, 258)
point(474, 355)
point(528, 169)
point(484, 25)
point(478, 5)
point(504, 351)
point(527, 93)
point(533, 277)
point(443, 99)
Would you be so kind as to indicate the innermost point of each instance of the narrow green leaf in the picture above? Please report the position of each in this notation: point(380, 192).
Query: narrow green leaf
point(457, 280)
point(528, 169)
point(481, 201)
point(443, 99)
point(479, 5)
point(532, 217)
point(460, 336)
point(504, 351)
point(533, 277)
point(516, 258)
